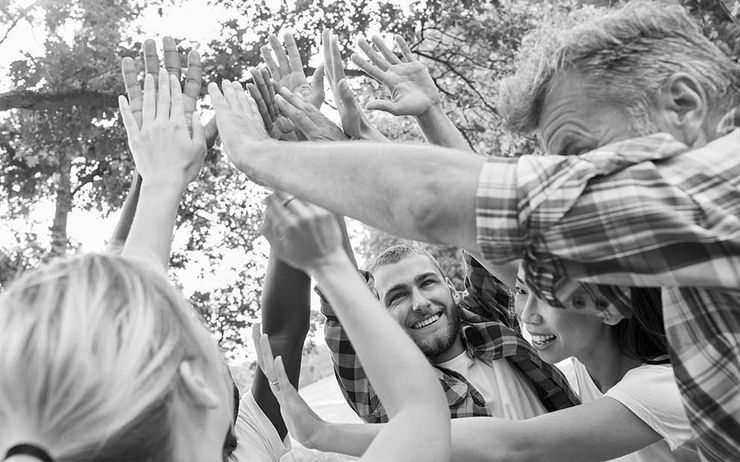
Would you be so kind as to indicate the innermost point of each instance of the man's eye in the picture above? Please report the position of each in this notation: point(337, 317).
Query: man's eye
point(428, 282)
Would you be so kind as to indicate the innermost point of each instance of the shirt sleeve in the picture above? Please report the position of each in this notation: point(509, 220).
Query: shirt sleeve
point(486, 295)
point(650, 392)
point(257, 439)
point(641, 212)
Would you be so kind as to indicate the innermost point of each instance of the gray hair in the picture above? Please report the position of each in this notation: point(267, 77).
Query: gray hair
point(625, 56)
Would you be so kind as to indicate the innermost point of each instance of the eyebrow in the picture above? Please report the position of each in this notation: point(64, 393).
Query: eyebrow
point(417, 279)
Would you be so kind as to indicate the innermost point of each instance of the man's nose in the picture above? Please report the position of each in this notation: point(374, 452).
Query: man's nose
point(419, 301)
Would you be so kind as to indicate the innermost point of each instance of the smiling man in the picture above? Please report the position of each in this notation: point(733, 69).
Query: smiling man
point(485, 367)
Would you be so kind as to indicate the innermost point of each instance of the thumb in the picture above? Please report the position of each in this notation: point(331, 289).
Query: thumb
point(317, 83)
point(382, 105)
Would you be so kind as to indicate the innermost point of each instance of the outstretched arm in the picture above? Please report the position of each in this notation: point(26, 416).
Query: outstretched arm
point(308, 237)
point(285, 319)
point(601, 430)
point(420, 192)
point(412, 91)
point(191, 92)
point(167, 157)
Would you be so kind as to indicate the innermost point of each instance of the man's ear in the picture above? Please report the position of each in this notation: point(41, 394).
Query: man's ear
point(682, 109)
point(196, 387)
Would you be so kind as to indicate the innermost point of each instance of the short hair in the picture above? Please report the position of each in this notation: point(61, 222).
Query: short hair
point(625, 56)
point(396, 253)
point(91, 349)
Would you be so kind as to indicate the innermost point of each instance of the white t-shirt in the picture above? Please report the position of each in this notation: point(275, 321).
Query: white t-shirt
point(650, 392)
point(507, 393)
point(257, 439)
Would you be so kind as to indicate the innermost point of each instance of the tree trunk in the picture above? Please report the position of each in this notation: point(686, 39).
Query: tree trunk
point(59, 240)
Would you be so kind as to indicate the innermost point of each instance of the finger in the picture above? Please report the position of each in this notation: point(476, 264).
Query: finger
point(294, 56)
point(387, 53)
point(199, 131)
point(261, 107)
point(299, 118)
point(369, 68)
point(193, 82)
point(261, 82)
point(243, 98)
point(280, 55)
point(151, 60)
point(281, 377)
point(133, 88)
point(211, 132)
point(337, 60)
point(230, 96)
point(148, 108)
point(405, 50)
point(218, 101)
point(266, 53)
point(268, 360)
point(347, 104)
point(280, 216)
point(163, 96)
point(177, 111)
point(129, 121)
point(171, 57)
point(326, 51)
point(271, 105)
point(372, 54)
point(382, 105)
point(317, 84)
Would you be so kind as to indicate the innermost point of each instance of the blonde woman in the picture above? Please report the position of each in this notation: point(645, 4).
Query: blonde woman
point(102, 359)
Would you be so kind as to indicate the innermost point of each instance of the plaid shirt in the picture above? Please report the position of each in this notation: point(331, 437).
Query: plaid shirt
point(486, 298)
point(642, 212)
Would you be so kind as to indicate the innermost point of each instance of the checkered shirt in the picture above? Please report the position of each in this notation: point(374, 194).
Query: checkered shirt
point(489, 332)
point(642, 212)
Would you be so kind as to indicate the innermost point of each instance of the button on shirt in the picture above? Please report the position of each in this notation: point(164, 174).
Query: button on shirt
point(643, 212)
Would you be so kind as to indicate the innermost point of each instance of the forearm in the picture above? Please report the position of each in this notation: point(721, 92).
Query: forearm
point(151, 230)
point(439, 129)
point(419, 192)
point(128, 211)
point(285, 318)
point(366, 321)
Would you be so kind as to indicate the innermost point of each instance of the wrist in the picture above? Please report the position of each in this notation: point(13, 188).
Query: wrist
point(164, 186)
point(432, 113)
point(324, 268)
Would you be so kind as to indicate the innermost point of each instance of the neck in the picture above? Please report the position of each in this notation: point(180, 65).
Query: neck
point(454, 350)
point(605, 362)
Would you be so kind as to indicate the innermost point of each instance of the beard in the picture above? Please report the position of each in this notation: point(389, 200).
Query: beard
point(441, 342)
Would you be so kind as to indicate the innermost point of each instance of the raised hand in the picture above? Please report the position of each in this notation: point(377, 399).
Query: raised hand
point(287, 70)
point(411, 88)
point(309, 121)
point(263, 93)
point(301, 234)
point(237, 117)
point(163, 149)
point(354, 121)
point(302, 422)
point(191, 89)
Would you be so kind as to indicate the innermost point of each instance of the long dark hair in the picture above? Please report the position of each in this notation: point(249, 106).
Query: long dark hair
point(642, 337)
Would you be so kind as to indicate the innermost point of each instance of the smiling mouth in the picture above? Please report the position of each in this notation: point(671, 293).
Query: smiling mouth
point(542, 341)
point(426, 322)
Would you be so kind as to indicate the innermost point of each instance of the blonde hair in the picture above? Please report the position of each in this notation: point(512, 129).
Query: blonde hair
point(90, 349)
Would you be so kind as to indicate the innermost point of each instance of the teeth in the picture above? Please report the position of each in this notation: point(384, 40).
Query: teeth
point(542, 339)
point(426, 322)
